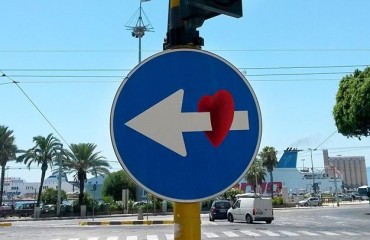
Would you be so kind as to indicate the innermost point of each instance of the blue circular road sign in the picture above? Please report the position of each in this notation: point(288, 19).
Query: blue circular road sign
point(185, 125)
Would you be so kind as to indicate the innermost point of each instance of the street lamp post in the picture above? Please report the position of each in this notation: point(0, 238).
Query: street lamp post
point(303, 163)
point(138, 30)
point(94, 190)
point(7, 178)
point(59, 179)
point(313, 175)
point(335, 181)
point(336, 187)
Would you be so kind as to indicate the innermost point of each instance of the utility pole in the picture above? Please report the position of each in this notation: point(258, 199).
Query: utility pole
point(335, 185)
point(333, 167)
point(59, 179)
point(138, 25)
point(313, 174)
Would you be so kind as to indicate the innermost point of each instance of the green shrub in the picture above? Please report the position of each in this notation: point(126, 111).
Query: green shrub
point(116, 206)
point(169, 205)
point(88, 201)
point(108, 199)
point(277, 201)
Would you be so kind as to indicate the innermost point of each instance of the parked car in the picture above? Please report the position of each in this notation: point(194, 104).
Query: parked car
point(251, 209)
point(49, 208)
point(25, 209)
point(140, 203)
point(312, 201)
point(219, 209)
point(5, 210)
point(356, 196)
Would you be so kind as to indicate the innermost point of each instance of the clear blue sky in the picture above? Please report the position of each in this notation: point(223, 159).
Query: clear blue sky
point(293, 53)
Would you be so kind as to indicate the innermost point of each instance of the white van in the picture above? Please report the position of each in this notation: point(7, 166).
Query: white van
point(251, 209)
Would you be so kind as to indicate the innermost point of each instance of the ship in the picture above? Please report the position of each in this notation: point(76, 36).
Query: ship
point(297, 181)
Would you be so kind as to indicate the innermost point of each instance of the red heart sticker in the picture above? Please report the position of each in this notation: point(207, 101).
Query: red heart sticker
point(221, 108)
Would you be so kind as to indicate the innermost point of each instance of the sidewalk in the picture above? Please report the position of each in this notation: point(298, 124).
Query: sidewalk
point(347, 203)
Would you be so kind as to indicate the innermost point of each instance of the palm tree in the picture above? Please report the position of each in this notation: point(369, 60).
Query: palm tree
point(269, 161)
point(256, 173)
point(7, 152)
point(82, 160)
point(44, 153)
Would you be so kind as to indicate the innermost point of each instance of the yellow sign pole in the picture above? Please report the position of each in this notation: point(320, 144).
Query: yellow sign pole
point(174, 3)
point(186, 215)
point(187, 221)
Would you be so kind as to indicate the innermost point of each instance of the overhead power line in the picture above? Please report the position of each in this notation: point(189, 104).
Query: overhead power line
point(159, 50)
point(118, 76)
point(122, 78)
point(34, 104)
point(65, 70)
point(128, 69)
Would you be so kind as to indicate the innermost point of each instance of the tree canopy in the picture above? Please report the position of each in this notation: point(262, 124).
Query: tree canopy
point(44, 153)
point(269, 161)
point(231, 194)
point(82, 160)
point(352, 109)
point(115, 182)
point(50, 196)
point(256, 173)
point(8, 150)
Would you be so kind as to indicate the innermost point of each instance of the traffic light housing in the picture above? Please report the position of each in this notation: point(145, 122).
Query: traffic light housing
point(210, 8)
point(185, 16)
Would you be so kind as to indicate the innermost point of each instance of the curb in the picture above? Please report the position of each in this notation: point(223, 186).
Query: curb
point(138, 222)
point(5, 224)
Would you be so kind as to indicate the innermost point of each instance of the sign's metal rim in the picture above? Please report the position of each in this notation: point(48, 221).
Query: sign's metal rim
point(113, 136)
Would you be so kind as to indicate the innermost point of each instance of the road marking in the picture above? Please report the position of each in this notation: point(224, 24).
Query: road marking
point(269, 233)
point(131, 238)
point(329, 233)
point(308, 233)
point(230, 234)
point(211, 235)
point(93, 238)
point(252, 234)
point(152, 237)
point(350, 233)
point(112, 238)
point(73, 239)
point(292, 234)
point(170, 236)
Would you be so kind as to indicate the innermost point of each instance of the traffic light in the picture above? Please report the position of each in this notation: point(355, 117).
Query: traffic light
point(185, 16)
point(210, 8)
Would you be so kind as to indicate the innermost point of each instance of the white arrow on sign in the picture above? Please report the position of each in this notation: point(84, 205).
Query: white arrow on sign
point(164, 122)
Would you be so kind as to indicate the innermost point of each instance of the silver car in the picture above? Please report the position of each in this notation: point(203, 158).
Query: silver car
point(312, 201)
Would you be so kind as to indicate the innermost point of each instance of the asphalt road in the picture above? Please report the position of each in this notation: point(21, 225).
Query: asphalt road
point(349, 222)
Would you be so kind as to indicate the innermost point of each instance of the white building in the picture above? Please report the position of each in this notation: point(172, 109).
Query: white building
point(18, 188)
